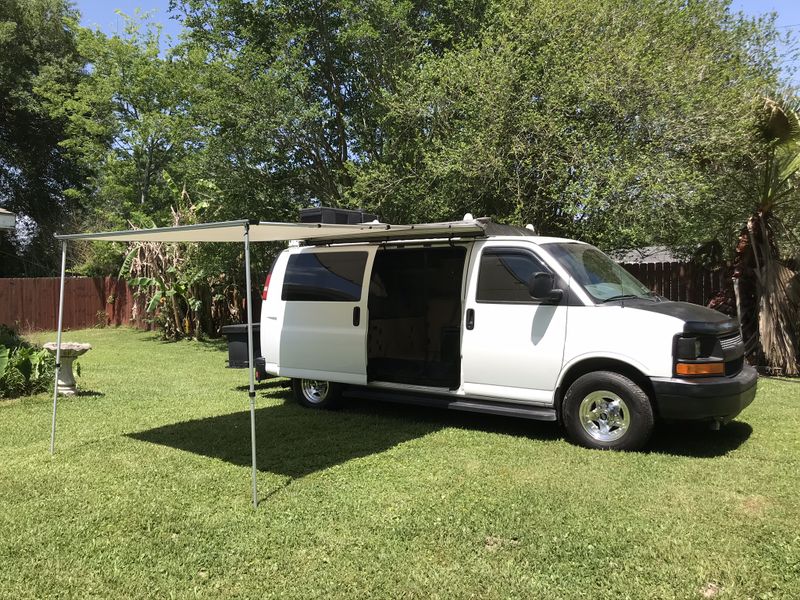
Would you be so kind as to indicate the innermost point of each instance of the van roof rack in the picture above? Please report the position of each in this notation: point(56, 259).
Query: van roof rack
point(481, 227)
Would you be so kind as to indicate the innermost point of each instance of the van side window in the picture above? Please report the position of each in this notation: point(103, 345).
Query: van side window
point(504, 274)
point(324, 276)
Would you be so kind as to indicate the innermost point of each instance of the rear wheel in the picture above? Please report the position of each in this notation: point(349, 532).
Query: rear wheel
point(607, 410)
point(316, 393)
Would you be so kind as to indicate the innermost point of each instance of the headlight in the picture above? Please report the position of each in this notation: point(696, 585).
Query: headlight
point(697, 356)
point(687, 348)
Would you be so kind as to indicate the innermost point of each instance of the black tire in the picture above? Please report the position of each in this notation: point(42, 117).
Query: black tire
point(624, 413)
point(313, 393)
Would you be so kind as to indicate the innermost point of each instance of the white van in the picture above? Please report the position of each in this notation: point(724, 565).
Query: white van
point(503, 322)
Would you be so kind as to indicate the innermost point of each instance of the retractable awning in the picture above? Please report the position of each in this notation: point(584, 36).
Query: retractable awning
point(231, 231)
point(246, 231)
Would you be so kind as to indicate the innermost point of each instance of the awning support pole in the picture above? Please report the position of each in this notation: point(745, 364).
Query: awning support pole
point(250, 360)
point(58, 345)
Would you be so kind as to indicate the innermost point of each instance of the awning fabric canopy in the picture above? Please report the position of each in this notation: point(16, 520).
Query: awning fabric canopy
point(231, 231)
point(246, 231)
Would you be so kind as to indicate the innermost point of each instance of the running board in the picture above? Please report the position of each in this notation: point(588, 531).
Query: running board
point(491, 407)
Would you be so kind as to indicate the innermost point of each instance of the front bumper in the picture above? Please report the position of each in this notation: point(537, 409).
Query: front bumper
point(708, 398)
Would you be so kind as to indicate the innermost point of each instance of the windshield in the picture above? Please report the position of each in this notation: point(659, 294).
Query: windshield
point(601, 277)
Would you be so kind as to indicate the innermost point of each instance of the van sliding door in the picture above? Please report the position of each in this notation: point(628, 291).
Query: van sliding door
point(324, 321)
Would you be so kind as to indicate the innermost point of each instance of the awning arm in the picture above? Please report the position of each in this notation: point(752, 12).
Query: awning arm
point(58, 345)
point(250, 360)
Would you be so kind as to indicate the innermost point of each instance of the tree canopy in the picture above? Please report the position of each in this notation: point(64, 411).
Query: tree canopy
point(596, 119)
point(37, 176)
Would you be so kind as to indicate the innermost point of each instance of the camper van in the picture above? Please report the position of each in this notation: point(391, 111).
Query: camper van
point(490, 318)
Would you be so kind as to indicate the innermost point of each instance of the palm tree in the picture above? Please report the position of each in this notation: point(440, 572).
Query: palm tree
point(767, 289)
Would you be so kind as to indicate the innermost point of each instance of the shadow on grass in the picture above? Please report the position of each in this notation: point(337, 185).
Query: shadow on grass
point(269, 384)
point(88, 394)
point(292, 441)
point(689, 439)
point(782, 379)
point(218, 344)
point(295, 441)
point(442, 417)
point(695, 439)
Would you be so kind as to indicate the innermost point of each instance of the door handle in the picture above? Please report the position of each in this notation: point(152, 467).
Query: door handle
point(356, 316)
point(470, 318)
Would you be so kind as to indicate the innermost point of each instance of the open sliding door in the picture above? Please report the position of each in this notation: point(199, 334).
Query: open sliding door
point(324, 332)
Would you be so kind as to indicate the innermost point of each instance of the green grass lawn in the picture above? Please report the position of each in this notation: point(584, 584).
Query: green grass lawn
point(149, 495)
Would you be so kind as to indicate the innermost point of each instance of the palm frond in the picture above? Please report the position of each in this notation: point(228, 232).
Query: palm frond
point(779, 312)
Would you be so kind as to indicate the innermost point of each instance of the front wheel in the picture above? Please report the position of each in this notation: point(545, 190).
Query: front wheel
point(315, 393)
point(606, 410)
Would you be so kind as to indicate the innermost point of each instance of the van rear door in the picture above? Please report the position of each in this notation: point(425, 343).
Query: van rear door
point(324, 322)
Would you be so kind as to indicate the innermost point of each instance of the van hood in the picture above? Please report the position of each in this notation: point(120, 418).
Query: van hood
point(696, 319)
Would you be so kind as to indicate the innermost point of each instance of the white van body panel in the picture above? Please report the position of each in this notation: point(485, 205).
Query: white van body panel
point(515, 351)
point(313, 339)
point(272, 310)
point(642, 339)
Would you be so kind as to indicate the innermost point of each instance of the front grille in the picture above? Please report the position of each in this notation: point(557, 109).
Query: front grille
point(732, 344)
point(729, 343)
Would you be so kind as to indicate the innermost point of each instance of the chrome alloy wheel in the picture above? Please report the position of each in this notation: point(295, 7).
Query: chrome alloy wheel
point(604, 416)
point(315, 391)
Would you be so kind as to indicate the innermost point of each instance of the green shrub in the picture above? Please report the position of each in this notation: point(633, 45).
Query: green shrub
point(9, 338)
point(24, 369)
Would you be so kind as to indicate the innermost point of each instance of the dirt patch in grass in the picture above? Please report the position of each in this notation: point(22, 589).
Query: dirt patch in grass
point(493, 543)
point(754, 506)
point(710, 590)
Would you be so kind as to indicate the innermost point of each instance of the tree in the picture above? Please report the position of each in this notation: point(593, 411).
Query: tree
point(126, 120)
point(767, 288)
point(599, 120)
point(304, 84)
point(37, 43)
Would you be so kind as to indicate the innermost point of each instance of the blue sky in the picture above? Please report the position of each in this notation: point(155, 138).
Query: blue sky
point(788, 20)
point(101, 13)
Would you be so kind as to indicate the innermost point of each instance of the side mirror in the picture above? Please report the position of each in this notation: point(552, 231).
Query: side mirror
point(540, 287)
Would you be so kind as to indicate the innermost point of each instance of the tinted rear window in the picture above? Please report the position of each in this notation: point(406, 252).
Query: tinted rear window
point(325, 277)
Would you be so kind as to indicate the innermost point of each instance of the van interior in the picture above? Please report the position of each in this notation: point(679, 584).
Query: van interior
point(414, 302)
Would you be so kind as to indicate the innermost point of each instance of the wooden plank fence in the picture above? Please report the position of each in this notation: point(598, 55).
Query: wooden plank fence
point(682, 281)
point(31, 304)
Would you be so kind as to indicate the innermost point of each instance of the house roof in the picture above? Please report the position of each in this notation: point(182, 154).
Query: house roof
point(7, 219)
point(647, 254)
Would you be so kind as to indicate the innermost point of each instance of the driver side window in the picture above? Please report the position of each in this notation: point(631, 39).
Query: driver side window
point(504, 273)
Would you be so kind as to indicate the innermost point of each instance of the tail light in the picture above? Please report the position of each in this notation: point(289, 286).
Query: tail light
point(266, 286)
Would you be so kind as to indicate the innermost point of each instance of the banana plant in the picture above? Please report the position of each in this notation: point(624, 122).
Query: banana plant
point(165, 274)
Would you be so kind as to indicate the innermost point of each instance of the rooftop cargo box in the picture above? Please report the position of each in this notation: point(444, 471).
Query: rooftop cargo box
point(339, 216)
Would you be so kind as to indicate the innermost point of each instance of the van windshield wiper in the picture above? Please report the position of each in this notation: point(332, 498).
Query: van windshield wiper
point(622, 297)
